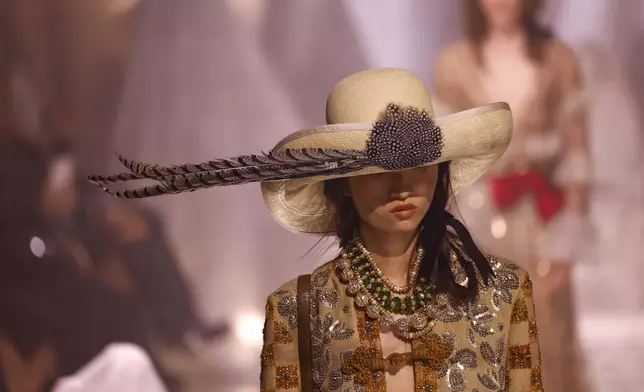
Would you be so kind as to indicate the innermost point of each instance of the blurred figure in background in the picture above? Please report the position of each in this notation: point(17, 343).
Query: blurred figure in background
point(533, 206)
point(27, 359)
point(55, 317)
point(77, 275)
point(616, 142)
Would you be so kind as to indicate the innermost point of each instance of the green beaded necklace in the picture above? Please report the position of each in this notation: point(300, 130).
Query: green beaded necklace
point(374, 283)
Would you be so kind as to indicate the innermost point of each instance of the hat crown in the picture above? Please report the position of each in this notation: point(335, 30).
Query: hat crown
point(362, 96)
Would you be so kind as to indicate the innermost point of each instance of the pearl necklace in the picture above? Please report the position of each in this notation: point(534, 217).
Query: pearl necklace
point(419, 323)
point(413, 271)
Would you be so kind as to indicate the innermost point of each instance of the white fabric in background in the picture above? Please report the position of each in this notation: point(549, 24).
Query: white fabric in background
point(120, 367)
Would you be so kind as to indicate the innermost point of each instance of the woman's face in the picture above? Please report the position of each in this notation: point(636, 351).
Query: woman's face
point(394, 202)
point(502, 14)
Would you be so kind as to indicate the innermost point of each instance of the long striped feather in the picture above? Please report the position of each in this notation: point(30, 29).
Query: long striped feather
point(282, 165)
point(272, 161)
point(234, 176)
point(310, 156)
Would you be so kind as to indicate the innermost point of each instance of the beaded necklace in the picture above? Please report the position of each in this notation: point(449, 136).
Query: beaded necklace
point(381, 299)
point(413, 271)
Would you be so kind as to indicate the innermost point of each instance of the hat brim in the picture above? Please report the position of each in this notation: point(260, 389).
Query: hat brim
point(473, 140)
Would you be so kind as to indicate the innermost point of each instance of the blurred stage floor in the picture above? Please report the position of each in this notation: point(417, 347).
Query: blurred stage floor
point(614, 346)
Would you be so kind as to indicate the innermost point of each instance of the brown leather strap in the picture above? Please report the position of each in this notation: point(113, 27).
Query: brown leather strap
point(304, 332)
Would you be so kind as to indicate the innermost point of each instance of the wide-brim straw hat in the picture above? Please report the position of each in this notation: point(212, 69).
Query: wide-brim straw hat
point(377, 120)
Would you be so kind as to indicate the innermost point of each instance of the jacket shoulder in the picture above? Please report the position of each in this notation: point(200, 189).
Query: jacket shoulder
point(502, 264)
point(319, 278)
point(510, 277)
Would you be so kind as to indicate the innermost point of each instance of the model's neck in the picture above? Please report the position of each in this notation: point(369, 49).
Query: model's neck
point(506, 35)
point(392, 252)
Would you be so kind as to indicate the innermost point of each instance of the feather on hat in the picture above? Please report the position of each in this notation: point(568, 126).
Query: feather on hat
point(377, 120)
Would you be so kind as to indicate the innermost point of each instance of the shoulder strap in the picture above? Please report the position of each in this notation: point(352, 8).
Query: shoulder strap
point(304, 332)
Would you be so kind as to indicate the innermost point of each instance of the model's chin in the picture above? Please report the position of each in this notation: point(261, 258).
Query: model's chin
point(405, 226)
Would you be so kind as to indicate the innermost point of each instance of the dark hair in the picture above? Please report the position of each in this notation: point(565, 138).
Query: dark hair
point(434, 237)
point(476, 27)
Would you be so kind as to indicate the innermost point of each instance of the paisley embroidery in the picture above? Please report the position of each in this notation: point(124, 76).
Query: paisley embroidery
point(463, 359)
point(325, 330)
point(321, 278)
point(493, 380)
point(287, 306)
point(494, 355)
point(480, 318)
point(506, 282)
point(329, 297)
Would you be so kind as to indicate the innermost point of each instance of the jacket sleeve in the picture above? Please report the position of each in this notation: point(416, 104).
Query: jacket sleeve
point(524, 357)
point(280, 370)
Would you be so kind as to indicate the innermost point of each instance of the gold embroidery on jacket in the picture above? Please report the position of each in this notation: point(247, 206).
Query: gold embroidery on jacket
point(287, 377)
point(519, 312)
point(281, 333)
point(520, 357)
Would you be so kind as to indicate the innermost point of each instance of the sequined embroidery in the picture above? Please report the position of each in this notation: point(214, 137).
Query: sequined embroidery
point(493, 355)
point(471, 338)
point(321, 278)
point(359, 364)
point(325, 330)
point(281, 333)
point(497, 346)
point(519, 312)
point(439, 349)
point(533, 331)
point(425, 379)
point(535, 379)
point(463, 359)
point(367, 331)
point(449, 313)
point(369, 335)
point(287, 377)
point(506, 281)
point(270, 310)
point(344, 381)
point(526, 286)
point(337, 379)
point(495, 380)
point(520, 357)
point(287, 306)
point(329, 297)
point(480, 317)
point(268, 355)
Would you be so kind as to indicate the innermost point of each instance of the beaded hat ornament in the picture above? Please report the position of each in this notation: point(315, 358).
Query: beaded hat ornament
point(378, 120)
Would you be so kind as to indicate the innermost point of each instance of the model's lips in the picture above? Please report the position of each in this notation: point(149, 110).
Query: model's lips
point(403, 207)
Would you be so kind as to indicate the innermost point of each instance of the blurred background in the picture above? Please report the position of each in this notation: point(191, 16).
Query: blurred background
point(185, 278)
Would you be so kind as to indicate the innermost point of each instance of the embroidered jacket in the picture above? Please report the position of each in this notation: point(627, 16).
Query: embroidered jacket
point(492, 342)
